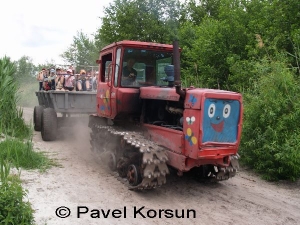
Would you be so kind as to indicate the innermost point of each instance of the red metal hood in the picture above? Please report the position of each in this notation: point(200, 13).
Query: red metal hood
point(162, 93)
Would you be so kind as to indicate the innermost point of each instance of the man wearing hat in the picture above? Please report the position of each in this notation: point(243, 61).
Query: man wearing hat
point(40, 77)
point(51, 79)
point(69, 80)
point(59, 79)
point(80, 83)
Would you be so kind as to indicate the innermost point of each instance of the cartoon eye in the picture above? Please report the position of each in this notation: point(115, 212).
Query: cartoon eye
point(211, 110)
point(226, 110)
point(193, 119)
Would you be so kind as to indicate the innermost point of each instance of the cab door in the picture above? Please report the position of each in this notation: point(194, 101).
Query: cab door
point(114, 100)
point(105, 85)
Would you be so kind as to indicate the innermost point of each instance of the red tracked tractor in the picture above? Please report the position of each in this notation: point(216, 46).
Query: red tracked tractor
point(146, 122)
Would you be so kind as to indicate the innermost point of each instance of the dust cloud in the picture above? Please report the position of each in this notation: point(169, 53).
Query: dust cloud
point(78, 135)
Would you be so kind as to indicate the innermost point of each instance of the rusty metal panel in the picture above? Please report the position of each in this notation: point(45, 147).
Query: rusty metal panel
point(127, 100)
point(159, 93)
point(169, 138)
point(177, 161)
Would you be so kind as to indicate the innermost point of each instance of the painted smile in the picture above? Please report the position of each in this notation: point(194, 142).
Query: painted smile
point(218, 127)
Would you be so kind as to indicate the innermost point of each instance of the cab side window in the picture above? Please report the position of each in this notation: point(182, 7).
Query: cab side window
point(106, 68)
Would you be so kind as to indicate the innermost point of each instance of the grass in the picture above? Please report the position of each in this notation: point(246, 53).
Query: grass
point(21, 155)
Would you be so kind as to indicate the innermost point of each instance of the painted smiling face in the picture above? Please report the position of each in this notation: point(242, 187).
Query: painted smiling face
point(220, 121)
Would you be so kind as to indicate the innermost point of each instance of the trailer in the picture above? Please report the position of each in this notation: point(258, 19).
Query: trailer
point(58, 108)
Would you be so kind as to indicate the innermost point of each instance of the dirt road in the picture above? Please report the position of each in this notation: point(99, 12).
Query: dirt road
point(87, 189)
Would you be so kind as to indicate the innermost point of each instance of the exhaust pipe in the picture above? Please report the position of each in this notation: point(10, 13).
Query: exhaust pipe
point(176, 62)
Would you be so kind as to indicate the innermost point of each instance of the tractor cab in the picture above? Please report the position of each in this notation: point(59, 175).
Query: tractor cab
point(126, 66)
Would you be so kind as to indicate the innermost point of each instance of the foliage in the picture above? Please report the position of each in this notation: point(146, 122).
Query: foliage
point(21, 154)
point(242, 74)
point(82, 51)
point(195, 11)
point(47, 65)
point(11, 121)
point(13, 208)
point(270, 139)
point(24, 68)
point(151, 20)
point(216, 44)
point(295, 40)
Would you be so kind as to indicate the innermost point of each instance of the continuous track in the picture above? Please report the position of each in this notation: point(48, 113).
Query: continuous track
point(140, 163)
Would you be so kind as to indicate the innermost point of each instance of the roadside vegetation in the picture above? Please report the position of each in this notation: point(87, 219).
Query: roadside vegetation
point(14, 209)
point(16, 151)
point(271, 133)
point(20, 154)
point(11, 121)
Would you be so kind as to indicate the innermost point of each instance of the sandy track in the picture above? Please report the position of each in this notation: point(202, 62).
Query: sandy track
point(81, 181)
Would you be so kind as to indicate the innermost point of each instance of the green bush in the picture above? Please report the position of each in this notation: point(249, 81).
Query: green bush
point(271, 133)
point(11, 121)
point(13, 208)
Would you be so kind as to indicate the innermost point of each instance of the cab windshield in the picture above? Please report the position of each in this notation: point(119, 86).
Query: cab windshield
point(144, 67)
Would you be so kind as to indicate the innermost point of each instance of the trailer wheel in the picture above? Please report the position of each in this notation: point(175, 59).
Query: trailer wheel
point(49, 124)
point(37, 117)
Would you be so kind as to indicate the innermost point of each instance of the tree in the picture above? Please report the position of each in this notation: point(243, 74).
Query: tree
point(82, 51)
point(151, 20)
point(46, 65)
point(24, 68)
point(275, 22)
point(215, 45)
point(196, 11)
